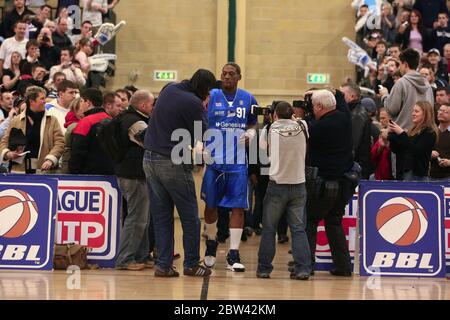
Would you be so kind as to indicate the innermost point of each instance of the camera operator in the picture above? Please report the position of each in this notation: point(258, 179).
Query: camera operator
point(49, 52)
point(330, 150)
point(286, 141)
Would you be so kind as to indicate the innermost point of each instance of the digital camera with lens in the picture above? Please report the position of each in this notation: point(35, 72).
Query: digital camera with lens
point(264, 111)
point(306, 105)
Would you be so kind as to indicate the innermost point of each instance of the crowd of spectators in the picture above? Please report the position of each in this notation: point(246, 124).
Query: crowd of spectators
point(409, 41)
point(47, 87)
point(35, 38)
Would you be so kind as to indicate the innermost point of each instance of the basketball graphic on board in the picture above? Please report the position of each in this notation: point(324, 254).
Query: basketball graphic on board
point(402, 221)
point(18, 213)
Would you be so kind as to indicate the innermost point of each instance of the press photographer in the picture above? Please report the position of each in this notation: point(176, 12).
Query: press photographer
point(330, 151)
point(286, 192)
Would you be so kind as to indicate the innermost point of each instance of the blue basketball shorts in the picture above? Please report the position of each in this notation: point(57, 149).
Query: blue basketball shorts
point(225, 189)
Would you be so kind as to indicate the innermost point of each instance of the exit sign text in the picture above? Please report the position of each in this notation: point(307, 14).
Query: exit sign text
point(165, 75)
point(318, 78)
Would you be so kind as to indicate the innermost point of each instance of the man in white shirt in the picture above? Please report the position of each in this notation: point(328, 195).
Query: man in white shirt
point(93, 11)
point(67, 91)
point(72, 72)
point(17, 43)
point(86, 32)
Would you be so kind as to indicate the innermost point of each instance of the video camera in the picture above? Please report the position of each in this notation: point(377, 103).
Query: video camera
point(305, 104)
point(264, 111)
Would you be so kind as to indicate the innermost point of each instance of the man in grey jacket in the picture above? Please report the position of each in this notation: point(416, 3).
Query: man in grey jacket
point(407, 91)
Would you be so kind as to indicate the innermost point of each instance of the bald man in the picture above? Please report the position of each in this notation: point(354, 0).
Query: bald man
point(134, 243)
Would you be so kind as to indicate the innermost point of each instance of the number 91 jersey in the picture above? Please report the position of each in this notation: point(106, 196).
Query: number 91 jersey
point(228, 118)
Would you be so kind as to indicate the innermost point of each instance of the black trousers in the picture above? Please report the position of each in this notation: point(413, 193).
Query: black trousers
point(331, 210)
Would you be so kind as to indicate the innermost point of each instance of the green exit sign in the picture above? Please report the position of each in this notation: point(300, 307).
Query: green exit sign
point(318, 78)
point(165, 75)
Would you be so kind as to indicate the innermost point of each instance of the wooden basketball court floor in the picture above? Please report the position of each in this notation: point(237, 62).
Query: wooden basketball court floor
point(110, 284)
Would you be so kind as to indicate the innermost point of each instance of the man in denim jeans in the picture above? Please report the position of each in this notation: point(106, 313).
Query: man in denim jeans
point(170, 181)
point(286, 192)
point(134, 244)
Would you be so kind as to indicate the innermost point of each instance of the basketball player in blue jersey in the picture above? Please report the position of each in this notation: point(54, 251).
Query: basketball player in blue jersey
point(225, 180)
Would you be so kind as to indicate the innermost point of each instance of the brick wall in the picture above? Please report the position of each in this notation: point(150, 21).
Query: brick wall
point(283, 41)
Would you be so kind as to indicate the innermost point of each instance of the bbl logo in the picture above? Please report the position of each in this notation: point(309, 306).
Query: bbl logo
point(27, 222)
point(18, 213)
point(402, 221)
point(402, 229)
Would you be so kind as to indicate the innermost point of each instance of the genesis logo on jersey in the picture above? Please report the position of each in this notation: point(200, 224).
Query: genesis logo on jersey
point(27, 212)
point(402, 229)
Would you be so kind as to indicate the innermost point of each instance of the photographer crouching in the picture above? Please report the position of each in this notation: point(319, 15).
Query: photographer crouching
point(330, 155)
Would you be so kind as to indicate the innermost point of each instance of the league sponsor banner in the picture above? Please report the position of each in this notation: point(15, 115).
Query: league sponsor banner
point(89, 214)
point(447, 227)
point(27, 222)
point(88, 210)
point(402, 229)
point(349, 223)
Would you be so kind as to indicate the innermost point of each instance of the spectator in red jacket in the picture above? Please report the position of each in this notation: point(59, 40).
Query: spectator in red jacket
point(381, 157)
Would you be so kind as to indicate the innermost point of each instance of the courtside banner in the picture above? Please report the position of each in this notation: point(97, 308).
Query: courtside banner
point(349, 223)
point(27, 222)
point(89, 214)
point(402, 229)
point(447, 227)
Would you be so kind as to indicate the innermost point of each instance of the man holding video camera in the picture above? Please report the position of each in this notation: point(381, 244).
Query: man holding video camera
point(330, 151)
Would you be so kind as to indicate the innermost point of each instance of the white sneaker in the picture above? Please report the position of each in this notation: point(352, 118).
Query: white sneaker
point(234, 261)
point(210, 254)
point(210, 261)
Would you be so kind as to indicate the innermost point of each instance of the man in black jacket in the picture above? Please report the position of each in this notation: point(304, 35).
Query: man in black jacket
point(16, 14)
point(361, 126)
point(60, 38)
point(87, 156)
point(134, 243)
point(49, 53)
point(330, 150)
point(430, 9)
point(441, 35)
point(169, 178)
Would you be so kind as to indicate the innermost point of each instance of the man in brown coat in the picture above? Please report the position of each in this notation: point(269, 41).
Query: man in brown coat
point(44, 139)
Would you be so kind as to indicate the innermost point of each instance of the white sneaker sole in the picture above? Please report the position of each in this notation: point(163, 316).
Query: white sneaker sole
point(237, 267)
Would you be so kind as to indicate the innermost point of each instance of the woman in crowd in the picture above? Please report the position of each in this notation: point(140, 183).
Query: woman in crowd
point(11, 76)
point(414, 34)
point(413, 148)
point(82, 53)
